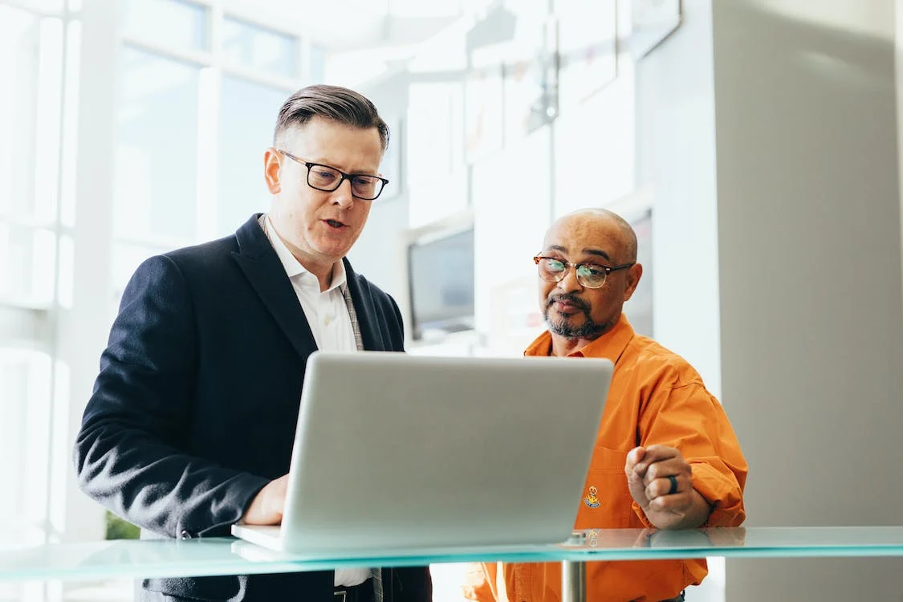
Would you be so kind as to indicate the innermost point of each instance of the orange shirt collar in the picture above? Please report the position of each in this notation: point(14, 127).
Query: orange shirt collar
point(610, 345)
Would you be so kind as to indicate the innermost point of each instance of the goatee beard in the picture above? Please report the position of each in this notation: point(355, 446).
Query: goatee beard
point(588, 330)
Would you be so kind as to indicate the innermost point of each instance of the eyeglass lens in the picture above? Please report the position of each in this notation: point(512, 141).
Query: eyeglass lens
point(553, 270)
point(327, 178)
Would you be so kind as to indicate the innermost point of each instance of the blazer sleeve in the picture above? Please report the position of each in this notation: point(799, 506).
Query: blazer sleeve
point(130, 451)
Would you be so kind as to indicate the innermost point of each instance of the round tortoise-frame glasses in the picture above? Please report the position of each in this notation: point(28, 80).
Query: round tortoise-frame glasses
point(325, 178)
point(589, 275)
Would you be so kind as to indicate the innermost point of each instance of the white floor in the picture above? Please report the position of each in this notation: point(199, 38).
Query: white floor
point(55, 591)
point(447, 579)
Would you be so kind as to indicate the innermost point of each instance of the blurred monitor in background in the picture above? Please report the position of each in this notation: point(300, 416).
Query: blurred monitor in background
point(441, 283)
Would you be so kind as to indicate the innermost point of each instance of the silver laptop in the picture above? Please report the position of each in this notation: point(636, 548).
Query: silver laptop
point(403, 453)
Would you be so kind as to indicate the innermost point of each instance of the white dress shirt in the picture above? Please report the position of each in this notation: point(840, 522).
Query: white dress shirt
point(328, 317)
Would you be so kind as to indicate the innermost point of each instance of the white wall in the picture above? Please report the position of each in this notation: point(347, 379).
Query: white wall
point(801, 256)
point(378, 253)
point(676, 169)
point(899, 85)
point(676, 163)
point(83, 328)
point(810, 279)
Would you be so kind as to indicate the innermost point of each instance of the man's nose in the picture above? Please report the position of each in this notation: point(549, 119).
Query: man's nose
point(570, 282)
point(342, 196)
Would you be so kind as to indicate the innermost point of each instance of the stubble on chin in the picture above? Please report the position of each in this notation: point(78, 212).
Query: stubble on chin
point(586, 330)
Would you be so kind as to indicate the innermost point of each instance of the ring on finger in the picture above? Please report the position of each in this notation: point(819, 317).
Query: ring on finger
point(673, 484)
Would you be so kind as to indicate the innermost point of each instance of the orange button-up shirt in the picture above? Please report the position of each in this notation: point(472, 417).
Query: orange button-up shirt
point(655, 397)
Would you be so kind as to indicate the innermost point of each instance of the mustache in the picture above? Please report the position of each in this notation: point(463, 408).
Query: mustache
point(569, 298)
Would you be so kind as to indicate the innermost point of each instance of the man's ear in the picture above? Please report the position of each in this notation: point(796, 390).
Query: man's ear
point(272, 173)
point(631, 279)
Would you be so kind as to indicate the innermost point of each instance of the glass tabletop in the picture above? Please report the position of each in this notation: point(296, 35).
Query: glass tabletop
point(229, 556)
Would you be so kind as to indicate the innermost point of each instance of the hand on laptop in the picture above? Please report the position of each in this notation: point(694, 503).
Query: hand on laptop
point(267, 506)
point(661, 483)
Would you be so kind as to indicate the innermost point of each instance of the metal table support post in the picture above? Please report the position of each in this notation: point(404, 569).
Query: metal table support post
point(574, 586)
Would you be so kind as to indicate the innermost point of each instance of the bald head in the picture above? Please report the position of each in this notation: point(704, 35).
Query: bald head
point(581, 299)
point(619, 230)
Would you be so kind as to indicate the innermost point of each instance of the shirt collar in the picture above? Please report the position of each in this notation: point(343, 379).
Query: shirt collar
point(294, 268)
point(609, 345)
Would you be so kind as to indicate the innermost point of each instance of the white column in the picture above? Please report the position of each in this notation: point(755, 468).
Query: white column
point(83, 328)
point(810, 280)
point(899, 72)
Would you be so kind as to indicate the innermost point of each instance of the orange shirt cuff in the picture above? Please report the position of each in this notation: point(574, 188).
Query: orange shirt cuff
point(722, 492)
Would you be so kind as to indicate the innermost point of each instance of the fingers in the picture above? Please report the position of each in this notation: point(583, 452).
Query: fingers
point(657, 472)
point(267, 506)
point(660, 459)
point(655, 454)
point(660, 487)
point(634, 457)
point(660, 480)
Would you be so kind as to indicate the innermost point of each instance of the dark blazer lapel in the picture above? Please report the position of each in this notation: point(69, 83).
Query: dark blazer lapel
point(265, 272)
point(367, 321)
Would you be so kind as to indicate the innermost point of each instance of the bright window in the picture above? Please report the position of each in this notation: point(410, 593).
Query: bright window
point(247, 119)
point(30, 65)
point(156, 172)
point(178, 24)
point(253, 47)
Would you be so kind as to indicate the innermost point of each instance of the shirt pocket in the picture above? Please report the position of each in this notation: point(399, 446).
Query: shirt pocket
point(606, 501)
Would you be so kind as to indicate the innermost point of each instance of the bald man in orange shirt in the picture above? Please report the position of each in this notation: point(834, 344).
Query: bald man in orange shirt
point(666, 455)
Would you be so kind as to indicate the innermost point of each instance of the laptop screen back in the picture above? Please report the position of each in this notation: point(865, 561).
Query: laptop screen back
point(400, 451)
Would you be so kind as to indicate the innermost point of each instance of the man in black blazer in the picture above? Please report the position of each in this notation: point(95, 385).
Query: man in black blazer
point(191, 424)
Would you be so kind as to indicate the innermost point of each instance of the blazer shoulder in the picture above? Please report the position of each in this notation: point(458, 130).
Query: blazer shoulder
point(213, 248)
point(204, 254)
point(369, 288)
point(248, 241)
point(376, 294)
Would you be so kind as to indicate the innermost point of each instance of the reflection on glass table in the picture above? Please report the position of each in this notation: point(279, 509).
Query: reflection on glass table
point(227, 556)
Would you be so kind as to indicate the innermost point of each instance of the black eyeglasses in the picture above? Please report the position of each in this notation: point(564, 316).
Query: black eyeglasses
point(327, 179)
point(589, 275)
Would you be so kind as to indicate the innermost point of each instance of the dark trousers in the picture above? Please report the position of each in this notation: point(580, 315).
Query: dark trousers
point(355, 593)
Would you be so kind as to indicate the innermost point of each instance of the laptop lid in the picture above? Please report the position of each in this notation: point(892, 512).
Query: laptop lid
point(396, 451)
